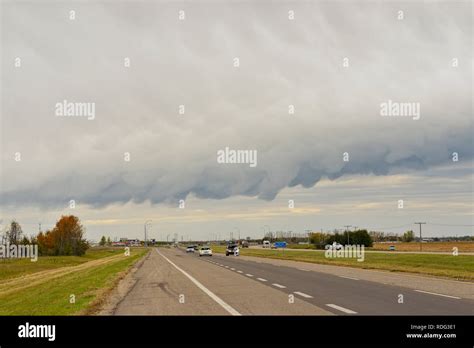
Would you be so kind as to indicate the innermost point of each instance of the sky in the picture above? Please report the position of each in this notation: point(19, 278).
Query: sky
point(172, 83)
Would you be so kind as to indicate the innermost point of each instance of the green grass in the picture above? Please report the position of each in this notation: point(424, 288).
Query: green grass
point(459, 267)
point(12, 268)
point(301, 246)
point(52, 297)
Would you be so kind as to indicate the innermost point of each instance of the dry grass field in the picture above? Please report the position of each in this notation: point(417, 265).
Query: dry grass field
point(430, 246)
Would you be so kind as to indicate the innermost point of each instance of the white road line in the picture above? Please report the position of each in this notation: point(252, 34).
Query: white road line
point(240, 272)
point(301, 269)
point(342, 309)
point(348, 277)
point(226, 266)
point(262, 280)
point(303, 294)
point(434, 293)
point(249, 275)
point(232, 269)
point(220, 301)
point(279, 286)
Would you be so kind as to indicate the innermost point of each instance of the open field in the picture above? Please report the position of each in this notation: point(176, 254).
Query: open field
point(431, 246)
point(458, 267)
point(463, 247)
point(11, 268)
point(45, 287)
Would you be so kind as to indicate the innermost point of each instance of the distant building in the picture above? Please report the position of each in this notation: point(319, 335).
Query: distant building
point(133, 242)
point(127, 242)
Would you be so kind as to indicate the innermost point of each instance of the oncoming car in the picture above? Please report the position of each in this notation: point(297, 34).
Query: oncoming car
point(205, 251)
point(232, 249)
point(334, 246)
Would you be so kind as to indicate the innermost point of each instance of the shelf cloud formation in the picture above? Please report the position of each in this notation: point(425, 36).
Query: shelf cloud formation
point(340, 89)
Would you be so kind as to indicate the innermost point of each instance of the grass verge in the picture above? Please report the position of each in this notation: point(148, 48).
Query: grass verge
point(52, 296)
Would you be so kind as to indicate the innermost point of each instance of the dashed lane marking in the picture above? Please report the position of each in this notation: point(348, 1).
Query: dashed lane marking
point(303, 294)
point(279, 286)
point(348, 277)
point(342, 309)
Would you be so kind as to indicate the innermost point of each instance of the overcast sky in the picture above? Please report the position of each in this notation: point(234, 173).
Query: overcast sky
point(282, 62)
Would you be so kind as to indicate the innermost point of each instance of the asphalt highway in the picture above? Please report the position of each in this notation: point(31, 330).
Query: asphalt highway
point(173, 282)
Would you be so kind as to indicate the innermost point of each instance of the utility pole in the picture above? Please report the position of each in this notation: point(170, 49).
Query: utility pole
point(347, 230)
point(145, 228)
point(39, 227)
point(264, 230)
point(238, 230)
point(308, 233)
point(420, 223)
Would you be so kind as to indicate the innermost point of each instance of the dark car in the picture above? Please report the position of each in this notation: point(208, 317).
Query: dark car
point(232, 249)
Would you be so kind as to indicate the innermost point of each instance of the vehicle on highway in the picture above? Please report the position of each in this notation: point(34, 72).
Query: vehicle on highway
point(391, 247)
point(205, 251)
point(335, 246)
point(244, 244)
point(190, 248)
point(277, 245)
point(232, 249)
point(266, 244)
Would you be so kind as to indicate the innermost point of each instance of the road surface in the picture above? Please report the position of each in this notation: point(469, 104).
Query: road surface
point(173, 282)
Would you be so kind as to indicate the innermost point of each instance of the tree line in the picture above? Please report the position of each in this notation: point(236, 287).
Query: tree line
point(66, 238)
point(105, 241)
point(360, 237)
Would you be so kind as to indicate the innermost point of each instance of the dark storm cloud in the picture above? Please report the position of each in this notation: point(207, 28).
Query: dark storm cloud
point(190, 63)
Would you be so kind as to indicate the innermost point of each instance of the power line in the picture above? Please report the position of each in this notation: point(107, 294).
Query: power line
point(389, 228)
point(436, 224)
point(427, 223)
